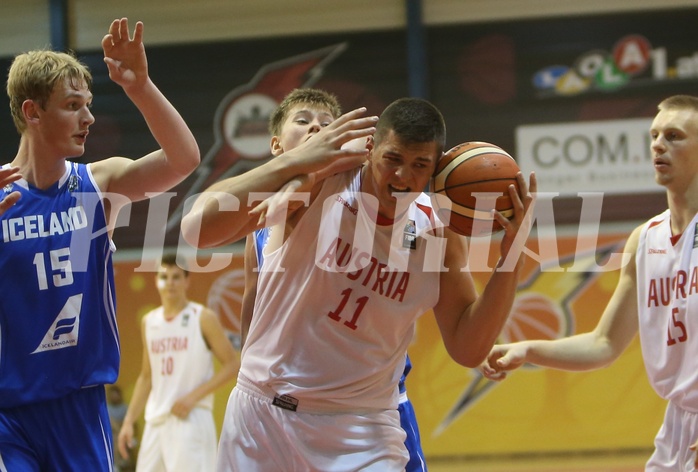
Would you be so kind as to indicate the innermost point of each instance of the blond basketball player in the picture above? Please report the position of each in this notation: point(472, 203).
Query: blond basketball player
point(655, 296)
point(58, 331)
point(177, 380)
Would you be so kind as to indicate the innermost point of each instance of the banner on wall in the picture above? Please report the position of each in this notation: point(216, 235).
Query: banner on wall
point(611, 156)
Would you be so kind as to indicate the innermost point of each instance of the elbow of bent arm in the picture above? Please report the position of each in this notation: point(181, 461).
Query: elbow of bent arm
point(470, 358)
point(190, 229)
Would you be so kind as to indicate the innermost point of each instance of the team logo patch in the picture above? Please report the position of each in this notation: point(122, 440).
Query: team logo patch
point(409, 235)
point(73, 183)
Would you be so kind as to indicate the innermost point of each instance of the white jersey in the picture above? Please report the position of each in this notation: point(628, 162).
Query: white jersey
point(180, 360)
point(330, 332)
point(667, 284)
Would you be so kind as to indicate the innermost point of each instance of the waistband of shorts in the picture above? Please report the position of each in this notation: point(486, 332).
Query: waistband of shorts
point(303, 405)
point(163, 417)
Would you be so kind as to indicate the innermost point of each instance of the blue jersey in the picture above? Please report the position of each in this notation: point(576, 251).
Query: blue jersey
point(58, 329)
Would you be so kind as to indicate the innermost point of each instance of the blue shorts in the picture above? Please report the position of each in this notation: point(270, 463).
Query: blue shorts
point(408, 421)
point(63, 435)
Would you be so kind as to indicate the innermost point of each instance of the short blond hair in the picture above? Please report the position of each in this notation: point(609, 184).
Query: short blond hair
point(315, 97)
point(679, 102)
point(33, 75)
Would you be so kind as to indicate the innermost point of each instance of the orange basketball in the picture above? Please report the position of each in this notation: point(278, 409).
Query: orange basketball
point(472, 179)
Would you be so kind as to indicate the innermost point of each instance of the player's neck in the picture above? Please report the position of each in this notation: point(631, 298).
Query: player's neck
point(683, 205)
point(374, 208)
point(37, 165)
point(172, 307)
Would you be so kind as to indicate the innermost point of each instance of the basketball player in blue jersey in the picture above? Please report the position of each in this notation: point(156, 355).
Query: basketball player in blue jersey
point(302, 113)
point(345, 278)
point(58, 334)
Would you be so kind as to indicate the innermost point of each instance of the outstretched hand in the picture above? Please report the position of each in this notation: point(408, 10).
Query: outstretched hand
point(273, 209)
point(327, 149)
point(295, 193)
point(7, 176)
point(125, 56)
point(501, 359)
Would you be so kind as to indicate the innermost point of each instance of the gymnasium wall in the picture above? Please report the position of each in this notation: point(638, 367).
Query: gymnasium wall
point(567, 87)
point(24, 23)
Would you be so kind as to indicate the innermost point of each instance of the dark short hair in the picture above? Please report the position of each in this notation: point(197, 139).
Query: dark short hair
point(171, 259)
point(413, 120)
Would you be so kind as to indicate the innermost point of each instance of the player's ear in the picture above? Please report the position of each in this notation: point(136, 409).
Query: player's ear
point(30, 111)
point(369, 143)
point(275, 146)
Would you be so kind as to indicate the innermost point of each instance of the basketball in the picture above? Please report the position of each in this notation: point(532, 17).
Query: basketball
point(473, 178)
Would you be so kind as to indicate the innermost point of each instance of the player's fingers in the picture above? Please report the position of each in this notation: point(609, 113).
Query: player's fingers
point(123, 441)
point(114, 29)
point(533, 183)
point(9, 201)
point(501, 219)
point(492, 373)
point(522, 184)
point(9, 175)
point(107, 42)
point(497, 376)
point(348, 116)
point(123, 29)
point(138, 32)
point(503, 362)
point(354, 119)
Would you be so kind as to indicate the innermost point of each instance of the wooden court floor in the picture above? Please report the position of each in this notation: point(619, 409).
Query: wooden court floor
point(606, 462)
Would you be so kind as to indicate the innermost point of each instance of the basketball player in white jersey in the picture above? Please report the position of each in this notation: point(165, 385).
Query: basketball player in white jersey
point(340, 291)
point(655, 295)
point(300, 114)
point(177, 379)
point(58, 329)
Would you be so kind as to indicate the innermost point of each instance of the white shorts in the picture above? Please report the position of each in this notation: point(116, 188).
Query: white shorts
point(176, 445)
point(260, 437)
point(678, 432)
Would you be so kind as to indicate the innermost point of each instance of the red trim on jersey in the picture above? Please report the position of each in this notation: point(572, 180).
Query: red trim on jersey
point(673, 238)
point(426, 209)
point(383, 220)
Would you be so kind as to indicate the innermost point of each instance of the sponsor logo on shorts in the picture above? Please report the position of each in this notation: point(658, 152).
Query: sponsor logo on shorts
point(287, 402)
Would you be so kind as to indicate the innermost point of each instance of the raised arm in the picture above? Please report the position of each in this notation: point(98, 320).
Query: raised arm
point(179, 154)
point(470, 324)
point(221, 214)
point(587, 351)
